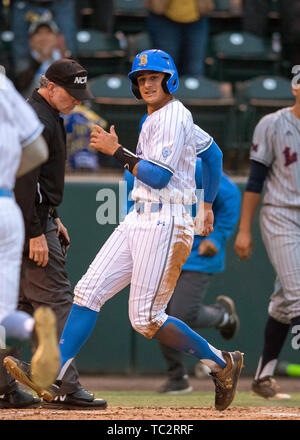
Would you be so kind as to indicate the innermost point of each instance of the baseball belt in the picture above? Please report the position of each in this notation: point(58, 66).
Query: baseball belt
point(140, 207)
point(4, 192)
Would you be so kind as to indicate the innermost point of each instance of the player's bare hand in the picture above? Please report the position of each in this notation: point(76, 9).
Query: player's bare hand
point(62, 233)
point(208, 248)
point(101, 140)
point(204, 220)
point(243, 245)
point(38, 250)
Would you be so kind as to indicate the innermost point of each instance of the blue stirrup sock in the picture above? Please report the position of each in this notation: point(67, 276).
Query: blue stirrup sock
point(79, 326)
point(176, 334)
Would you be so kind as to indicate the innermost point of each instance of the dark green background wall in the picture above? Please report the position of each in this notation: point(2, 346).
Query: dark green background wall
point(114, 346)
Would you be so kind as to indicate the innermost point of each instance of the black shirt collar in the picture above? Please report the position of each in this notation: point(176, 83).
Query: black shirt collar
point(39, 98)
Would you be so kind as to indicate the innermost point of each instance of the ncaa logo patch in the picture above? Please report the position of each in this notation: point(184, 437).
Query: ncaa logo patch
point(166, 152)
point(80, 80)
point(143, 60)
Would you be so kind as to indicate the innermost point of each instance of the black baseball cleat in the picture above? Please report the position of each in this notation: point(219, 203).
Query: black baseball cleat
point(226, 380)
point(21, 371)
point(45, 361)
point(176, 386)
point(81, 399)
point(232, 325)
point(18, 399)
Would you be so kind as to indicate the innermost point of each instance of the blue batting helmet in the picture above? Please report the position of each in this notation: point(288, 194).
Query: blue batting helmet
point(158, 61)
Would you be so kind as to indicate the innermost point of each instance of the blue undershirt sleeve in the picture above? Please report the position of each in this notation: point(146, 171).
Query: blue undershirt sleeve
point(153, 175)
point(212, 165)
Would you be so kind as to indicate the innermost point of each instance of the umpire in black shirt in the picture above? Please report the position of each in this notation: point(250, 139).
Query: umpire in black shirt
point(43, 277)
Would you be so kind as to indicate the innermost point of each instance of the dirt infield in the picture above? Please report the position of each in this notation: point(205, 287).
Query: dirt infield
point(142, 383)
point(115, 413)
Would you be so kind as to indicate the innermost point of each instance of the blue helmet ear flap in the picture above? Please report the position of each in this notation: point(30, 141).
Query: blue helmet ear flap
point(165, 85)
point(172, 83)
point(135, 90)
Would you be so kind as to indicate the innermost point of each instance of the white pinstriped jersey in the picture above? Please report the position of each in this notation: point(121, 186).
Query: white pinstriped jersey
point(276, 144)
point(19, 126)
point(170, 139)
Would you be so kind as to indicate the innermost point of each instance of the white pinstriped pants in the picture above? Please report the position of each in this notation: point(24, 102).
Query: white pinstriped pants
point(11, 247)
point(148, 251)
point(280, 228)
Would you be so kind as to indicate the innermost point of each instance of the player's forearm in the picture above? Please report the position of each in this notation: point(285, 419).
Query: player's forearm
point(249, 207)
point(33, 155)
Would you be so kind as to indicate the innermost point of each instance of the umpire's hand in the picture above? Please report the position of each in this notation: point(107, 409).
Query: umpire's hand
point(38, 250)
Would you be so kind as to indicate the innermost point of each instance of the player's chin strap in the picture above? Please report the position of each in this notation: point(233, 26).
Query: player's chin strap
point(126, 158)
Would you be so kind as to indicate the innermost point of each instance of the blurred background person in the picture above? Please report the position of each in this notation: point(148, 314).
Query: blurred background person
point(255, 20)
point(24, 13)
point(181, 29)
point(102, 16)
point(79, 125)
point(45, 48)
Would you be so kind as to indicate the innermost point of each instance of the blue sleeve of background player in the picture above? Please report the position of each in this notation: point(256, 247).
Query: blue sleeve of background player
point(212, 165)
point(226, 209)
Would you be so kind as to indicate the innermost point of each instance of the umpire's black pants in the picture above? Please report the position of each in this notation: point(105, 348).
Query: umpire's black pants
point(186, 304)
point(48, 286)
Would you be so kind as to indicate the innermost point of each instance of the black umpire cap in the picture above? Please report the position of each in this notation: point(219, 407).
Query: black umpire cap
point(71, 76)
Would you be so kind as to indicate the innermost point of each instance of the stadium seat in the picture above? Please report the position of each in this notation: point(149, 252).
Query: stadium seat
point(130, 16)
point(212, 106)
point(222, 5)
point(256, 98)
point(226, 16)
point(239, 56)
point(117, 105)
point(84, 14)
point(100, 53)
point(6, 40)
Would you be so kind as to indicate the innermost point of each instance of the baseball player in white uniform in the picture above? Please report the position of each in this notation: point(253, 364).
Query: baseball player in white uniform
point(149, 247)
point(22, 148)
point(275, 155)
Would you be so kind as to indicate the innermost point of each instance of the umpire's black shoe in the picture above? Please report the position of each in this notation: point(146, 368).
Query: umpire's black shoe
point(18, 399)
point(81, 399)
point(21, 371)
point(226, 380)
point(232, 325)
